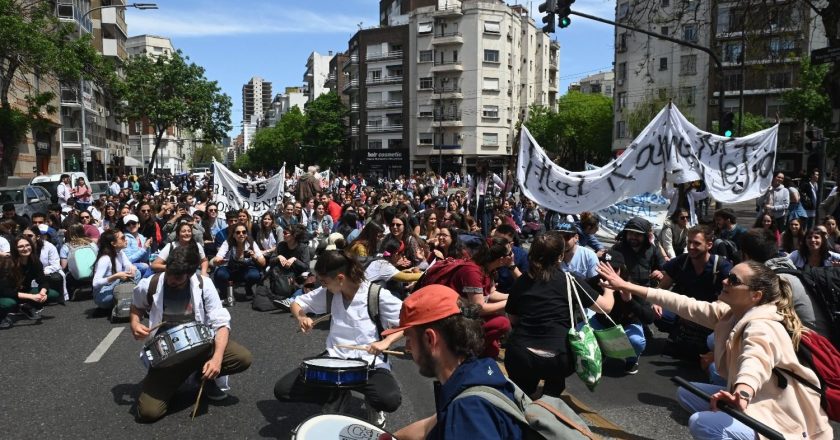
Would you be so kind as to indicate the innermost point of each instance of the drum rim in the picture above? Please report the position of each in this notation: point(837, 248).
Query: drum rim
point(295, 430)
point(360, 360)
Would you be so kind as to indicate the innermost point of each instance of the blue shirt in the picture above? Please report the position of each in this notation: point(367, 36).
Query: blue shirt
point(705, 286)
point(505, 277)
point(584, 263)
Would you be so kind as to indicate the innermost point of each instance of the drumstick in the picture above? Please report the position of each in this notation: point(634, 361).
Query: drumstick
point(198, 399)
point(317, 321)
point(364, 348)
point(157, 326)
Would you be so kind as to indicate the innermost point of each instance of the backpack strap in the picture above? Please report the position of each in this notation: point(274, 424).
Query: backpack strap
point(373, 307)
point(153, 284)
point(715, 269)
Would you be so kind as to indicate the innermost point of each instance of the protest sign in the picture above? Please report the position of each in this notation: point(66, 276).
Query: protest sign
point(231, 191)
point(734, 169)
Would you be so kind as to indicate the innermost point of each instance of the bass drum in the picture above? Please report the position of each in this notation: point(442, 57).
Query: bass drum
point(336, 427)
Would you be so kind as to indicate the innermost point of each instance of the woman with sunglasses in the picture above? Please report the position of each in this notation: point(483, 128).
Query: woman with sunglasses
point(48, 256)
point(292, 252)
point(414, 248)
point(112, 268)
point(238, 260)
point(185, 238)
point(87, 222)
point(673, 239)
point(137, 246)
point(757, 333)
point(814, 251)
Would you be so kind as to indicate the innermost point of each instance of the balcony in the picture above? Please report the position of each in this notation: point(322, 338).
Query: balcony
point(354, 107)
point(450, 92)
point(446, 38)
point(448, 66)
point(448, 10)
point(70, 136)
point(392, 55)
point(352, 84)
point(383, 128)
point(384, 104)
point(353, 60)
point(449, 119)
point(354, 131)
point(114, 48)
point(69, 96)
point(67, 12)
point(395, 79)
point(115, 18)
point(552, 86)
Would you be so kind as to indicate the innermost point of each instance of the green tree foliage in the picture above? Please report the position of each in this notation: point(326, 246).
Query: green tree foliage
point(33, 42)
point(580, 131)
point(808, 102)
point(752, 123)
point(205, 154)
point(643, 113)
point(326, 132)
point(243, 162)
point(283, 143)
point(170, 91)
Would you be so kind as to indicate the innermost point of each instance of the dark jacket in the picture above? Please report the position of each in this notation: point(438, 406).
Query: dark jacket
point(473, 417)
point(307, 187)
point(300, 253)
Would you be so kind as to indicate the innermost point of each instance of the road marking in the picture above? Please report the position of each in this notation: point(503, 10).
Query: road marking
point(103, 346)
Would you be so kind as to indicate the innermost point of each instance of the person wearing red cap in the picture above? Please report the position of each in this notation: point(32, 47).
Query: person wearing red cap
point(445, 338)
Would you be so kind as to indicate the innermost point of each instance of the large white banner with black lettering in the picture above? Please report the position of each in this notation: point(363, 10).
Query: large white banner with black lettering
point(734, 169)
point(232, 191)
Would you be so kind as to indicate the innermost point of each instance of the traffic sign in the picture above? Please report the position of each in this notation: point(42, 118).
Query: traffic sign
point(825, 55)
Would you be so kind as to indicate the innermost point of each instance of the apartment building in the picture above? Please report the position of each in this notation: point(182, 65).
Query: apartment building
point(336, 79)
point(601, 83)
point(317, 72)
point(761, 47)
point(256, 99)
point(171, 156)
point(440, 84)
point(284, 102)
point(651, 69)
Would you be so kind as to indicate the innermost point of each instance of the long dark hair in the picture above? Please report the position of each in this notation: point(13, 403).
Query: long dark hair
point(369, 236)
point(263, 233)
point(495, 248)
point(10, 271)
point(16, 253)
point(457, 248)
point(332, 263)
point(788, 238)
point(544, 255)
point(231, 239)
point(805, 251)
point(347, 224)
point(106, 247)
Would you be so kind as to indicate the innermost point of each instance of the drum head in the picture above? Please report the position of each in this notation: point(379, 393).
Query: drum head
point(333, 362)
point(336, 427)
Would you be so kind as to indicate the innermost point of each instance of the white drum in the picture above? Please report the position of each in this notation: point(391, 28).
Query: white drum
point(336, 427)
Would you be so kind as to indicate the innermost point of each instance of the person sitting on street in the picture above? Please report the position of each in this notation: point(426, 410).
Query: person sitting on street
point(112, 268)
point(185, 238)
point(181, 296)
point(239, 260)
point(137, 246)
point(22, 268)
point(814, 252)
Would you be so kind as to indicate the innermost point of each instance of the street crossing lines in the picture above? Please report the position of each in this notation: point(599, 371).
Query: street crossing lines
point(103, 346)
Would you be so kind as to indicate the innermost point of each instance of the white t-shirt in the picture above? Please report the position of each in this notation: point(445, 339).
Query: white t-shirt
point(380, 270)
point(4, 245)
point(223, 250)
point(164, 253)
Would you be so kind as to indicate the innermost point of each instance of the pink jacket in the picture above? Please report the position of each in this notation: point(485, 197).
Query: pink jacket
point(747, 348)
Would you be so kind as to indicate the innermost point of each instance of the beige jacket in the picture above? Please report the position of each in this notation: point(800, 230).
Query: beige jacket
point(747, 349)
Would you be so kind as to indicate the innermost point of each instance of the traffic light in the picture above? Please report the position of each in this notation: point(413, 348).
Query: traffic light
point(549, 7)
point(727, 123)
point(564, 8)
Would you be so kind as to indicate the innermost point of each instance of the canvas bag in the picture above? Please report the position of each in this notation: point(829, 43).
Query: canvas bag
point(613, 341)
point(585, 349)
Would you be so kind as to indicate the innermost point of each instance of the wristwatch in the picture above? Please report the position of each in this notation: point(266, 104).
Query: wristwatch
point(744, 395)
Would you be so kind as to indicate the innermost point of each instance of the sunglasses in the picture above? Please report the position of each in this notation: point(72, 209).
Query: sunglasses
point(396, 225)
point(683, 217)
point(85, 217)
point(241, 232)
point(734, 281)
point(29, 235)
point(131, 223)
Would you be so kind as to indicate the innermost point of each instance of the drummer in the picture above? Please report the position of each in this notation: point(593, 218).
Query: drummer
point(181, 296)
point(351, 325)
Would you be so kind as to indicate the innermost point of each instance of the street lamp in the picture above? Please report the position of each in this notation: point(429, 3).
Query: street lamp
point(141, 6)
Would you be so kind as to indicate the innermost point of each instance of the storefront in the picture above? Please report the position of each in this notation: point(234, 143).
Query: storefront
point(390, 163)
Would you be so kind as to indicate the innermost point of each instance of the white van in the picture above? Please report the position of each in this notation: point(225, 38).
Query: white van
point(50, 182)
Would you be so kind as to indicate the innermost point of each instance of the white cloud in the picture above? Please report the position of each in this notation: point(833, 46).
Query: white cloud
point(174, 23)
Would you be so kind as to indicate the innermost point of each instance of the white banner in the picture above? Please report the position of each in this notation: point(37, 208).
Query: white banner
point(734, 169)
point(324, 177)
point(232, 191)
point(652, 207)
point(298, 172)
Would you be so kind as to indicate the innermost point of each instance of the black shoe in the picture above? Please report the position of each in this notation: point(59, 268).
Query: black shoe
point(30, 312)
point(7, 322)
point(284, 304)
point(213, 392)
point(631, 368)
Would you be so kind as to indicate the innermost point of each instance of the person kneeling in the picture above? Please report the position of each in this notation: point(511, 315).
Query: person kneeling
point(176, 297)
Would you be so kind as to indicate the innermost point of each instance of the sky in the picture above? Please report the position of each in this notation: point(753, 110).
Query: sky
point(272, 39)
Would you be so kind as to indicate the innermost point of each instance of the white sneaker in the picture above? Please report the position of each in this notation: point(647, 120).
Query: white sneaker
point(376, 417)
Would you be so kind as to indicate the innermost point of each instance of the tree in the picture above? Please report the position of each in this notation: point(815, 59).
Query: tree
point(326, 134)
point(643, 113)
point(808, 103)
point(170, 91)
point(243, 162)
point(751, 124)
point(35, 44)
point(580, 131)
point(271, 146)
point(205, 154)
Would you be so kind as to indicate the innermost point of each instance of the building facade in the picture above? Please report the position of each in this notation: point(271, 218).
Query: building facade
point(317, 72)
point(284, 102)
point(256, 99)
point(601, 83)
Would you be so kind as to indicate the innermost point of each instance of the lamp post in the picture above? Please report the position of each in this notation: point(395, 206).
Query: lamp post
point(141, 6)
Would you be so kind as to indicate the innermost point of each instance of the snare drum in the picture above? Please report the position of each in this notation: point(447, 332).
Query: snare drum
point(334, 372)
point(336, 426)
point(178, 344)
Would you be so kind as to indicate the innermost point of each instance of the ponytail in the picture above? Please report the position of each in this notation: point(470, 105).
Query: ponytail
point(790, 319)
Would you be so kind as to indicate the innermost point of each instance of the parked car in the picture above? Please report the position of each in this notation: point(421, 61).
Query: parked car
point(98, 188)
point(50, 182)
point(28, 199)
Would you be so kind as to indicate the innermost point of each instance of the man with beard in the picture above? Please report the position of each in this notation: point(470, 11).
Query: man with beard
point(640, 256)
point(445, 340)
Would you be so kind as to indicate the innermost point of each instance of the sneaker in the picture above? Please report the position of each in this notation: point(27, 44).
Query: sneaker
point(284, 304)
point(337, 404)
point(376, 417)
point(31, 312)
point(7, 322)
point(213, 392)
point(632, 369)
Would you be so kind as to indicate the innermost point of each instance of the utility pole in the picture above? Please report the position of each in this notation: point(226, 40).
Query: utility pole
point(443, 82)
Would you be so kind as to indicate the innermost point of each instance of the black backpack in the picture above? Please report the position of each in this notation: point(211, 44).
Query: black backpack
point(823, 284)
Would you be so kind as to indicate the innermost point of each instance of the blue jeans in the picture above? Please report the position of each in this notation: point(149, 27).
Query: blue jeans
point(104, 299)
point(250, 275)
point(144, 269)
point(707, 424)
point(635, 333)
point(714, 377)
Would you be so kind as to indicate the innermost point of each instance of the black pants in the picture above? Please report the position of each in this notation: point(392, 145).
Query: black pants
point(381, 391)
point(526, 369)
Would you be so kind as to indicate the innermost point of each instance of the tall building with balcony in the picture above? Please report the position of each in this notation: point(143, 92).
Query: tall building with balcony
point(442, 83)
point(761, 46)
point(256, 100)
point(317, 72)
point(336, 79)
point(171, 155)
point(284, 102)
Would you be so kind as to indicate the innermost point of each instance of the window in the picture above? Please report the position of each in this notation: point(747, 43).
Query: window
point(490, 139)
point(666, 3)
point(621, 102)
point(427, 83)
point(688, 64)
point(687, 96)
point(490, 111)
point(779, 80)
point(775, 106)
point(621, 75)
point(623, 9)
point(490, 84)
point(491, 56)
point(424, 111)
point(621, 43)
point(424, 28)
point(664, 30)
point(375, 144)
point(663, 63)
point(608, 90)
point(620, 130)
point(780, 47)
point(732, 81)
point(690, 32)
point(732, 52)
point(426, 56)
point(375, 75)
point(138, 127)
point(492, 27)
point(426, 139)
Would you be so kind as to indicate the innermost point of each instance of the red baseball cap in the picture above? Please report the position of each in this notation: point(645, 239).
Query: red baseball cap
point(429, 304)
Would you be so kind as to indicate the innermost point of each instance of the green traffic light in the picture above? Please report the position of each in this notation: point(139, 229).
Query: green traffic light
point(727, 133)
point(565, 22)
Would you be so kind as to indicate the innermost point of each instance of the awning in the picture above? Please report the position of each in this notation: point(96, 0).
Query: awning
point(132, 162)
